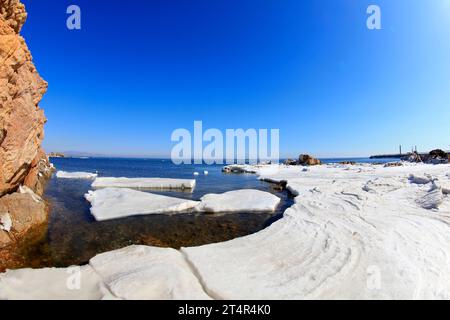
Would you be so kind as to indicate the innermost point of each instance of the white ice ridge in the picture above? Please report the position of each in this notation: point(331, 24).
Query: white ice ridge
point(76, 283)
point(112, 203)
point(246, 200)
point(140, 272)
point(75, 175)
point(354, 232)
point(144, 183)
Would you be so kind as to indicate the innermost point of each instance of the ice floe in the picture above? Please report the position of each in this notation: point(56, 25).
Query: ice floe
point(75, 175)
point(112, 203)
point(144, 183)
point(246, 200)
point(140, 272)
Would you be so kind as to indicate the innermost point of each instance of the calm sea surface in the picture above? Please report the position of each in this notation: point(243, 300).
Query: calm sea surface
point(73, 236)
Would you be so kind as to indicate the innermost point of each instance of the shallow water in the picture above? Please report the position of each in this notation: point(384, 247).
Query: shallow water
point(73, 236)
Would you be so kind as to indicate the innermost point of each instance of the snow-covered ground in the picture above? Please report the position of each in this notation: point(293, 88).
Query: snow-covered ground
point(144, 183)
point(75, 175)
point(354, 232)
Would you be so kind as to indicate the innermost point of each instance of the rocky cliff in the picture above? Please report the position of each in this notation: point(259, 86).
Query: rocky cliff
point(24, 167)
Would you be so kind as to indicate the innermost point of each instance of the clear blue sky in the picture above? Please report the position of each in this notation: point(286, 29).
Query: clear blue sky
point(139, 69)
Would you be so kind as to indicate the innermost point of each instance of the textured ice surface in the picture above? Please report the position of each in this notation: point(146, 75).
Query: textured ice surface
point(140, 272)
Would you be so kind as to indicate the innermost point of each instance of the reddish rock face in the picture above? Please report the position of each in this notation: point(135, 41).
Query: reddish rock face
point(21, 89)
point(22, 161)
point(21, 120)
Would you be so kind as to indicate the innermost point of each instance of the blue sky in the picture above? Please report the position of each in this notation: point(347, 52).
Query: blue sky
point(138, 70)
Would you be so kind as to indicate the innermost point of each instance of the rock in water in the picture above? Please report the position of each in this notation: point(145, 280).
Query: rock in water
point(22, 161)
point(413, 157)
point(438, 153)
point(437, 156)
point(307, 160)
point(290, 162)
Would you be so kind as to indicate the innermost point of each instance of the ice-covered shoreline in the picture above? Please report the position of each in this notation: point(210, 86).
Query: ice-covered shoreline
point(354, 232)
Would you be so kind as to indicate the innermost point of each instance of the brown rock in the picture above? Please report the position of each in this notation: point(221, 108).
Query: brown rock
point(393, 164)
point(13, 13)
point(22, 161)
point(352, 163)
point(25, 211)
point(307, 160)
point(21, 89)
point(290, 162)
point(413, 157)
point(438, 153)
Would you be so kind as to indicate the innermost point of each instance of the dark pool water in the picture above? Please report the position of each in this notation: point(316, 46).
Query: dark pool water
point(73, 236)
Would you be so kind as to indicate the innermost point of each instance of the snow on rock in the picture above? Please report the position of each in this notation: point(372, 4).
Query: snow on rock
point(147, 273)
point(75, 175)
point(26, 190)
point(5, 222)
point(246, 200)
point(112, 203)
point(144, 183)
point(76, 283)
